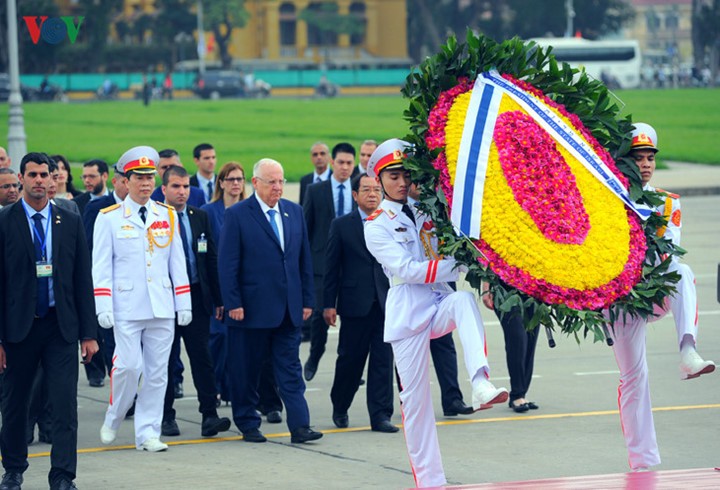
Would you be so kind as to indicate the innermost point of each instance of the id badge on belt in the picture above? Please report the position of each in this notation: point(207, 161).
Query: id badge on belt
point(43, 268)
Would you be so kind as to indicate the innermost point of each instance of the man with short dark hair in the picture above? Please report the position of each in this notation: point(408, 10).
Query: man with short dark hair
point(170, 158)
point(324, 202)
point(46, 297)
point(9, 187)
point(356, 288)
point(95, 175)
point(201, 261)
point(205, 159)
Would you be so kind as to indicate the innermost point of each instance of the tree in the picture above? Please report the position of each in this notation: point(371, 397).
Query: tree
point(706, 35)
point(329, 23)
point(220, 17)
point(97, 25)
point(430, 22)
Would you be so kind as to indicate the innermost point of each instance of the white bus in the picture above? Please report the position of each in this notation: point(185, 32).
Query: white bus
point(615, 62)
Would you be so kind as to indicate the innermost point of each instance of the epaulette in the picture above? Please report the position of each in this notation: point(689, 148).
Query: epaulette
point(374, 215)
point(110, 208)
point(669, 194)
point(163, 204)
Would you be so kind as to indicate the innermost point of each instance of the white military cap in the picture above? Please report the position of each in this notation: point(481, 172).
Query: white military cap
point(644, 137)
point(140, 160)
point(389, 155)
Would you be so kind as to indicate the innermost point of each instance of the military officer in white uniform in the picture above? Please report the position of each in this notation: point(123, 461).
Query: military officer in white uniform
point(140, 282)
point(629, 332)
point(683, 304)
point(421, 306)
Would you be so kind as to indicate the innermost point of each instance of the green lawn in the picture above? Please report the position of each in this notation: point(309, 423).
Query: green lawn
point(688, 123)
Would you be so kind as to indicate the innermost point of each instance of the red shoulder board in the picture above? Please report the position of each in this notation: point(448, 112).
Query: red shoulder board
point(374, 215)
point(669, 194)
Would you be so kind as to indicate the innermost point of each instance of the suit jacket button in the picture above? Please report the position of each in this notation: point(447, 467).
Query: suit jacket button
point(149, 279)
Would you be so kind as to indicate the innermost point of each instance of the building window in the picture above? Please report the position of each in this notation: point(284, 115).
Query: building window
point(288, 24)
point(357, 10)
point(319, 31)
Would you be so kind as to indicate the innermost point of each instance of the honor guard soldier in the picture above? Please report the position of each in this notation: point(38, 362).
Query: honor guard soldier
point(683, 303)
point(140, 281)
point(421, 306)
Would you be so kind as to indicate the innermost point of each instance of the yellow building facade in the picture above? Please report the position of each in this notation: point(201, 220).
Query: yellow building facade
point(275, 32)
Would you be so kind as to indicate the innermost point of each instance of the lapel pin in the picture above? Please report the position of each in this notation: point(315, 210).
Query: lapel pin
point(286, 215)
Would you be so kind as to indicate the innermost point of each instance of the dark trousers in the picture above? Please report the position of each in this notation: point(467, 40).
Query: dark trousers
point(267, 390)
point(218, 353)
point(519, 353)
point(444, 359)
point(39, 410)
point(195, 336)
point(43, 346)
point(360, 336)
point(101, 363)
point(318, 327)
point(248, 348)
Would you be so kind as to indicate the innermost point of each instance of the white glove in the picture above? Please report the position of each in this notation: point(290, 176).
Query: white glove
point(106, 319)
point(184, 317)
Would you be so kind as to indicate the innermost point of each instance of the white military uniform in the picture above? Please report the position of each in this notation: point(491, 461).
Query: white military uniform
point(139, 275)
point(421, 306)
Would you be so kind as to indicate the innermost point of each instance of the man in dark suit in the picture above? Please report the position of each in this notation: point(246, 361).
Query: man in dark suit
point(351, 289)
point(201, 260)
point(205, 161)
point(266, 283)
point(320, 156)
point(94, 176)
point(47, 307)
point(170, 158)
point(324, 202)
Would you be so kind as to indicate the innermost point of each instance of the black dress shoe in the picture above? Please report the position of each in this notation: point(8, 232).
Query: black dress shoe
point(11, 481)
point(178, 390)
point(253, 435)
point(63, 484)
point(384, 426)
point(522, 408)
point(214, 424)
point(169, 428)
point(532, 405)
point(341, 420)
point(97, 383)
point(458, 407)
point(273, 417)
point(310, 370)
point(304, 434)
point(131, 411)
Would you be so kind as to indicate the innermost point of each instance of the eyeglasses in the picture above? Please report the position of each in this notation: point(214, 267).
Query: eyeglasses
point(234, 179)
point(8, 186)
point(272, 183)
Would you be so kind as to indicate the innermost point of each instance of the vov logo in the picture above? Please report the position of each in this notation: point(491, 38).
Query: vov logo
point(54, 30)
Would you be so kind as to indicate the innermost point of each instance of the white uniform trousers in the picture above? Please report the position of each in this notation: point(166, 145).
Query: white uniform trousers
point(142, 347)
point(412, 358)
point(636, 416)
point(684, 302)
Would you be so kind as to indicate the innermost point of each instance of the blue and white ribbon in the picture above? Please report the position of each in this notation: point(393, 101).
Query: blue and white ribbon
point(564, 134)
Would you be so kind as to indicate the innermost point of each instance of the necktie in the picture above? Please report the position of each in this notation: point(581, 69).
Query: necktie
point(186, 244)
point(43, 293)
point(341, 200)
point(209, 191)
point(273, 224)
point(408, 212)
point(318, 179)
point(143, 210)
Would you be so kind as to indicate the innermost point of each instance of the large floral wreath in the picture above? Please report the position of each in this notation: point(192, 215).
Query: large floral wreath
point(553, 241)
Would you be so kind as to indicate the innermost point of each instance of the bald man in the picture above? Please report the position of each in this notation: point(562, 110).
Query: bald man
point(4, 158)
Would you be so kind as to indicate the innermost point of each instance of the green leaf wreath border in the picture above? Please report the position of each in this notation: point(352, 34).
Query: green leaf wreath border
point(591, 101)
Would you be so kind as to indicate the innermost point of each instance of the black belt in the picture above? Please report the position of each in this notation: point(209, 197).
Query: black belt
point(51, 310)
